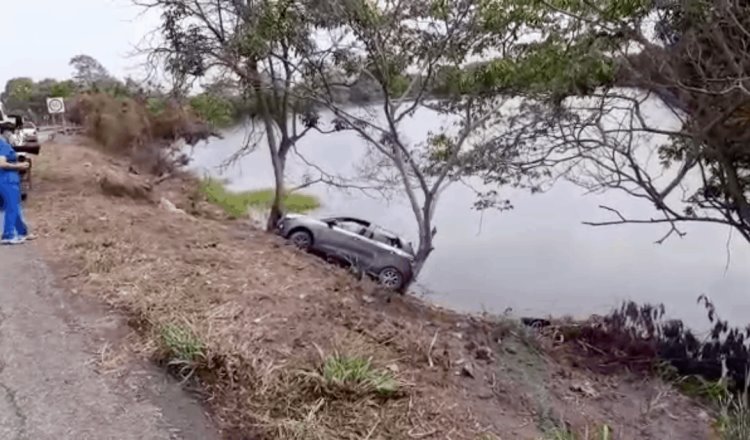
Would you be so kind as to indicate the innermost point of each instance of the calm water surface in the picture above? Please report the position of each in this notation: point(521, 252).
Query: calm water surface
point(537, 259)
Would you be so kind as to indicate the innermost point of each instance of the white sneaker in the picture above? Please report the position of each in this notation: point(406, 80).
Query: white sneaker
point(12, 241)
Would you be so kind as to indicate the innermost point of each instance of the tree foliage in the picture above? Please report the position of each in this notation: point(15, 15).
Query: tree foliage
point(26, 96)
point(257, 45)
point(90, 74)
point(689, 55)
point(460, 61)
point(508, 78)
point(214, 109)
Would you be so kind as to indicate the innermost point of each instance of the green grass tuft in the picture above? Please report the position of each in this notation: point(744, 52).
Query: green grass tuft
point(182, 343)
point(357, 372)
point(236, 204)
point(734, 418)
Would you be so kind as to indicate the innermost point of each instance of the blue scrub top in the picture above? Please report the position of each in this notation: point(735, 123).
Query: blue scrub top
point(8, 176)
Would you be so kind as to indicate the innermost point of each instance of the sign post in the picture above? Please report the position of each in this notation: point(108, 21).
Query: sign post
point(56, 106)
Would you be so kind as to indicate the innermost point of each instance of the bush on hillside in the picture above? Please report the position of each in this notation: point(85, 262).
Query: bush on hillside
point(151, 135)
point(638, 337)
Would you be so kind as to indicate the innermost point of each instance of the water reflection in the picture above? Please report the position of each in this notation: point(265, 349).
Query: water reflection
point(537, 259)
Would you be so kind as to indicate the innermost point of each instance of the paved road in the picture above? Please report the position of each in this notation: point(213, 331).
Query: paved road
point(49, 386)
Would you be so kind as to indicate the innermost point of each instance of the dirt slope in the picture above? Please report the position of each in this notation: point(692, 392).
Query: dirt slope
point(263, 323)
point(50, 382)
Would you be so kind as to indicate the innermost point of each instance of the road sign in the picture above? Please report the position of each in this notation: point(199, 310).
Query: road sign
point(55, 105)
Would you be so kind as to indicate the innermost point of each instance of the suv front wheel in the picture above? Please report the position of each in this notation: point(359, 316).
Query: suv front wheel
point(391, 278)
point(301, 238)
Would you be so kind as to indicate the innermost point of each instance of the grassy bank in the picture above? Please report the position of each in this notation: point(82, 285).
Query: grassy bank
point(236, 204)
point(287, 347)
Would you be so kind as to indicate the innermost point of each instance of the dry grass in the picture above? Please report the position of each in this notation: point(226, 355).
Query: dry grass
point(131, 128)
point(286, 347)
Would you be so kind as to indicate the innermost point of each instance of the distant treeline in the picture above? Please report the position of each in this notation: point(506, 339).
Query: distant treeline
point(221, 103)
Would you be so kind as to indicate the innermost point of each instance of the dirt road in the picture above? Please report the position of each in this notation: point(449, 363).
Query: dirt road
point(49, 384)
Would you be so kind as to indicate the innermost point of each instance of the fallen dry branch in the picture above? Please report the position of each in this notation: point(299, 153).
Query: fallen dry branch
point(119, 183)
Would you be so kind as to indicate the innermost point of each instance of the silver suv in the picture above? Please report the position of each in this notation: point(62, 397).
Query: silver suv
point(358, 243)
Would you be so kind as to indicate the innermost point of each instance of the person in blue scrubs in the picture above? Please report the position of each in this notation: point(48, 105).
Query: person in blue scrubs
point(14, 228)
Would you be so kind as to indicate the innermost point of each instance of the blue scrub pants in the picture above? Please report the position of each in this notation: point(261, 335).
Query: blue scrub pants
point(13, 226)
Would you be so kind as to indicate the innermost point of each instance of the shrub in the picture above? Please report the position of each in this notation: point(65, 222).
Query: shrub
point(147, 130)
point(182, 343)
point(734, 421)
point(184, 351)
point(357, 374)
point(638, 337)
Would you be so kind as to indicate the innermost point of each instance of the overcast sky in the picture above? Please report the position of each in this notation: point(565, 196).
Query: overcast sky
point(41, 36)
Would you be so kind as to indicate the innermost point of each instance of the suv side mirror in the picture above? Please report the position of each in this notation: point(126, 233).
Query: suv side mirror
point(331, 223)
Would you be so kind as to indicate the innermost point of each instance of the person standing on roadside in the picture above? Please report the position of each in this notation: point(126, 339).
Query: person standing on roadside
point(15, 230)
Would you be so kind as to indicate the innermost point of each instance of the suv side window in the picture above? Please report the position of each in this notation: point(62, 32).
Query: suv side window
point(352, 227)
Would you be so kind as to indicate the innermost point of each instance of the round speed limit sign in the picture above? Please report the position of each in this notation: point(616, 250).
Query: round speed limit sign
point(55, 105)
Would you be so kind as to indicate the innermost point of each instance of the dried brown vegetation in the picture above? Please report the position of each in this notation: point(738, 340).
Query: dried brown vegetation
point(151, 135)
point(639, 338)
point(283, 346)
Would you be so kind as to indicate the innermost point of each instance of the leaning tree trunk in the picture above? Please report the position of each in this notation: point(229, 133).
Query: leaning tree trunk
point(424, 250)
point(426, 236)
point(278, 159)
point(277, 206)
point(278, 152)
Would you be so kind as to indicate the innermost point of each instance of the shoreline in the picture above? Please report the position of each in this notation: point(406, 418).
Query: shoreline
point(477, 300)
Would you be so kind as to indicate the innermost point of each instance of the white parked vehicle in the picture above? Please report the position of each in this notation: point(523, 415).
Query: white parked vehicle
point(6, 119)
point(29, 133)
point(26, 131)
point(25, 143)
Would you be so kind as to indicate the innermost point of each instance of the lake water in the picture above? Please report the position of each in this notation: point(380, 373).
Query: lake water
point(538, 259)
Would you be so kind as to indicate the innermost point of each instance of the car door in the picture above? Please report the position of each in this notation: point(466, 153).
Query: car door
point(386, 249)
point(371, 252)
point(348, 243)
